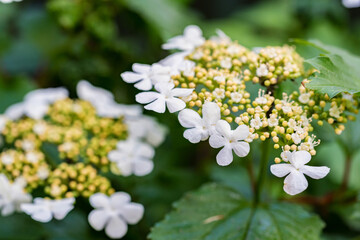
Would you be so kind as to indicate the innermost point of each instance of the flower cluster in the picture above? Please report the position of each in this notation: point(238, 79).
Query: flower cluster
point(207, 81)
point(57, 149)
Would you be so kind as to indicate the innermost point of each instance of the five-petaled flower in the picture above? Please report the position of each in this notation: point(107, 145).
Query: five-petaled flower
point(295, 182)
point(192, 38)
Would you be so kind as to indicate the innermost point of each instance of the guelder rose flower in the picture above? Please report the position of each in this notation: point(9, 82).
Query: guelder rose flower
point(114, 213)
point(104, 101)
point(200, 128)
point(192, 38)
point(10, 1)
point(44, 210)
point(262, 71)
point(12, 195)
point(133, 157)
point(167, 96)
point(230, 140)
point(295, 182)
point(144, 76)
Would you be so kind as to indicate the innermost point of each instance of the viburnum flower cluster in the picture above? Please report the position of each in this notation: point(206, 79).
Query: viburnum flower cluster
point(58, 149)
point(207, 82)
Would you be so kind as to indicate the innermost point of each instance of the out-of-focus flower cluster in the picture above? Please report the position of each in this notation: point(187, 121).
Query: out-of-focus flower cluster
point(56, 149)
point(207, 81)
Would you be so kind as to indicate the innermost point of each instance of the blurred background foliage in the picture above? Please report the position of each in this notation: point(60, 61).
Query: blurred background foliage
point(59, 42)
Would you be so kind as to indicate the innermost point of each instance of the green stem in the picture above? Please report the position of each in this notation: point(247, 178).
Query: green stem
point(262, 170)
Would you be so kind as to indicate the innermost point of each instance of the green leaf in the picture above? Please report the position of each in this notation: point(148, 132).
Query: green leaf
point(338, 70)
point(219, 212)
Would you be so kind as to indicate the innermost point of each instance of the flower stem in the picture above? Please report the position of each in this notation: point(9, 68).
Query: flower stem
point(262, 170)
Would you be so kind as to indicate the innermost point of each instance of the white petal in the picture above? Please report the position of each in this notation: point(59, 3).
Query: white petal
point(133, 212)
point(223, 127)
point(36, 110)
point(15, 111)
point(225, 156)
point(175, 104)
point(61, 209)
point(241, 132)
point(300, 158)
point(194, 135)
point(7, 209)
point(295, 183)
point(115, 155)
point(146, 97)
point(143, 167)
point(99, 200)
point(39, 213)
point(192, 31)
point(131, 77)
point(119, 199)
point(164, 87)
point(125, 167)
point(217, 141)
point(145, 150)
point(189, 118)
point(95, 95)
point(144, 84)
point(241, 148)
point(315, 172)
point(98, 218)
point(116, 228)
point(157, 106)
point(181, 92)
point(141, 68)
point(281, 169)
point(211, 113)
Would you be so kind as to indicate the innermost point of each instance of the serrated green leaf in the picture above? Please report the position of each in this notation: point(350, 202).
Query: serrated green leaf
point(218, 212)
point(338, 70)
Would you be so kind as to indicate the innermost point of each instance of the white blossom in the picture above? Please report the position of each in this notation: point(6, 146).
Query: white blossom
point(256, 122)
point(273, 121)
point(236, 97)
point(44, 210)
point(226, 63)
point(133, 157)
point(10, 1)
point(221, 37)
point(145, 76)
point(114, 213)
point(230, 140)
point(351, 3)
point(200, 128)
point(304, 98)
point(166, 96)
point(219, 93)
point(262, 70)
point(7, 158)
point(335, 111)
point(36, 103)
point(295, 182)
point(104, 101)
point(192, 38)
point(12, 195)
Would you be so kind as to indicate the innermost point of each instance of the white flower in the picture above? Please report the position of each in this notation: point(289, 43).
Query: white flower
point(219, 93)
point(296, 138)
point(43, 172)
point(351, 3)
point(7, 158)
point(187, 68)
point(234, 49)
point(104, 101)
point(286, 155)
point(12, 195)
point(273, 121)
point(295, 182)
point(334, 111)
point(146, 128)
point(167, 96)
point(44, 210)
point(200, 128)
point(114, 213)
point(221, 37)
point(262, 71)
point(36, 103)
point(256, 122)
point(27, 145)
point(236, 97)
point(144, 76)
point(226, 63)
point(261, 99)
point(10, 1)
point(32, 157)
point(133, 157)
point(189, 41)
point(40, 128)
point(230, 140)
point(304, 98)
point(220, 79)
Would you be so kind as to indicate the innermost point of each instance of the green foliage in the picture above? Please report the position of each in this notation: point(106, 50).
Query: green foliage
point(338, 70)
point(219, 212)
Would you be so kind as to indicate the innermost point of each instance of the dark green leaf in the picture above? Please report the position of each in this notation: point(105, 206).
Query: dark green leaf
point(219, 212)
